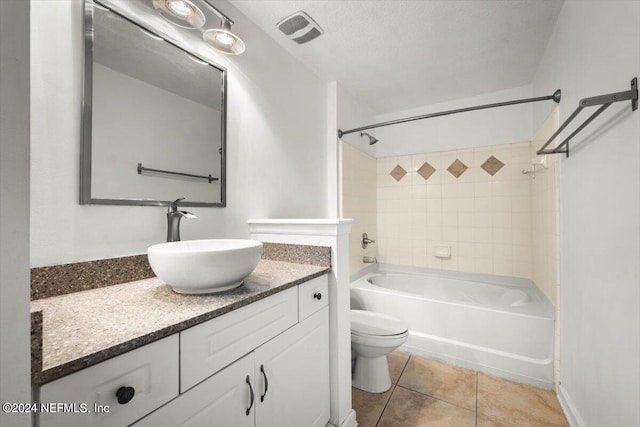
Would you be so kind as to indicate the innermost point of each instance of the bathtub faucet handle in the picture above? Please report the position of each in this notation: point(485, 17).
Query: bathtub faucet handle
point(366, 240)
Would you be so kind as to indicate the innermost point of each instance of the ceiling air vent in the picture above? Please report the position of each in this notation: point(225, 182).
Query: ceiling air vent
point(300, 27)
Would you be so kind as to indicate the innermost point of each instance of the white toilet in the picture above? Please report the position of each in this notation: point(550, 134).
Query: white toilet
point(373, 336)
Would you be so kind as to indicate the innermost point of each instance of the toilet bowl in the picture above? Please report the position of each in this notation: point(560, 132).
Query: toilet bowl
point(373, 336)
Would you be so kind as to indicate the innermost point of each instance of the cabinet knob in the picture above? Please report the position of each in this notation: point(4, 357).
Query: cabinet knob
point(317, 296)
point(125, 394)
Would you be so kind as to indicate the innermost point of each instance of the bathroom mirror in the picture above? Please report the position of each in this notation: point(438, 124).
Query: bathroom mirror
point(154, 118)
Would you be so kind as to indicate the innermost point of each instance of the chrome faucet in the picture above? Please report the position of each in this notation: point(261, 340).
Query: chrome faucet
point(173, 220)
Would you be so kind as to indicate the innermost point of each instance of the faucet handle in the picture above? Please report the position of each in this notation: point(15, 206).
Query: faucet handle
point(174, 206)
point(188, 215)
point(366, 241)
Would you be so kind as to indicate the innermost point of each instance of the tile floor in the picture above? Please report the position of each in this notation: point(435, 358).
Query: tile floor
point(426, 392)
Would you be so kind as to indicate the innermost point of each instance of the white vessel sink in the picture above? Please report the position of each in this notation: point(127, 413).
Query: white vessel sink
point(204, 266)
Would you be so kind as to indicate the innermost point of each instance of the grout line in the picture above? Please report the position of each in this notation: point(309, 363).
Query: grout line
point(403, 368)
point(477, 398)
point(393, 389)
point(433, 397)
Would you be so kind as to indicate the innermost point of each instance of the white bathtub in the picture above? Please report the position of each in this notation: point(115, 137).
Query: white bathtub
point(503, 326)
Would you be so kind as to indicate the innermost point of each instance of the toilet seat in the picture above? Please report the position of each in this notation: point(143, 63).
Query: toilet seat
point(367, 323)
point(380, 340)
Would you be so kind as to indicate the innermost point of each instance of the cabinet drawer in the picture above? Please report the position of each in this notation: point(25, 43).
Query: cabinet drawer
point(221, 400)
point(312, 296)
point(152, 372)
point(210, 346)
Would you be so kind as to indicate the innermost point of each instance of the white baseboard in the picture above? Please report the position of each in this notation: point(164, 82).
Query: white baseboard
point(569, 408)
point(350, 421)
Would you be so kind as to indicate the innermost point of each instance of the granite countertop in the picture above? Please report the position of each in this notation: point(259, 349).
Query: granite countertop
point(83, 328)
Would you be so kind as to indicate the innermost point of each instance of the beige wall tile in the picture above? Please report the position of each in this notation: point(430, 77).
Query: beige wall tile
point(506, 210)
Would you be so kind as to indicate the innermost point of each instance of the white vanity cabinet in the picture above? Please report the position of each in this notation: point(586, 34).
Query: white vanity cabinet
point(265, 364)
point(221, 400)
point(128, 387)
point(283, 383)
point(292, 375)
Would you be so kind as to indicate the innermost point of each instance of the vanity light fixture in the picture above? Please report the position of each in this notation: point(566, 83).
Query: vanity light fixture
point(182, 13)
point(223, 40)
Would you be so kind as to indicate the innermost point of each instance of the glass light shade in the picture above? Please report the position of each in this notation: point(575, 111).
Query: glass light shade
point(224, 41)
point(180, 8)
point(182, 13)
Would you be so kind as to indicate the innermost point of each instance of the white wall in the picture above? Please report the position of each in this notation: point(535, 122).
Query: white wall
point(14, 209)
point(353, 113)
point(465, 130)
point(276, 140)
point(357, 168)
point(358, 197)
point(592, 51)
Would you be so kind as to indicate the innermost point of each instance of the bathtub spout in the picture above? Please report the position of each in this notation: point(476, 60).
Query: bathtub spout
point(369, 259)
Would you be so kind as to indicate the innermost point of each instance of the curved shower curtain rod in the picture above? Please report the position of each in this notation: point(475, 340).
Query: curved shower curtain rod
point(555, 97)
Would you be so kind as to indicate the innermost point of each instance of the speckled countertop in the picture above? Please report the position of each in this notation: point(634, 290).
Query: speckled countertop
point(83, 328)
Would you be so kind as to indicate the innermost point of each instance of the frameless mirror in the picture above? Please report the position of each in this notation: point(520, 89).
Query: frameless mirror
point(153, 118)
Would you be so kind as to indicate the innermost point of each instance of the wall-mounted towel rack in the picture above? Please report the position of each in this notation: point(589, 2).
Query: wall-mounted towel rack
point(604, 101)
point(143, 169)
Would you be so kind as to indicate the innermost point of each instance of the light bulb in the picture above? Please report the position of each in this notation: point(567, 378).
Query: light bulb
point(180, 8)
point(224, 38)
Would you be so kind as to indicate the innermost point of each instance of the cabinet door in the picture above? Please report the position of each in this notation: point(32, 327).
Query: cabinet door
point(208, 347)
point(296, 368)
point(221, 400)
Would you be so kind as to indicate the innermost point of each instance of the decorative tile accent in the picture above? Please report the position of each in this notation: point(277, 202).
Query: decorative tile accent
point(426, 170)
point(398, 172)
point(457, 168)
point(492, 165)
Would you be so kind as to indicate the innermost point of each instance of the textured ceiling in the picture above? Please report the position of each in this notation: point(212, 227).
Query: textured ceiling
point(400, 54)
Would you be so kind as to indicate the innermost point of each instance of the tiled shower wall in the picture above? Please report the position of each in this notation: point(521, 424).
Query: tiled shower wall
point(358, 201)
point(545, 213)
point(477, 202)
point(545, 201)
